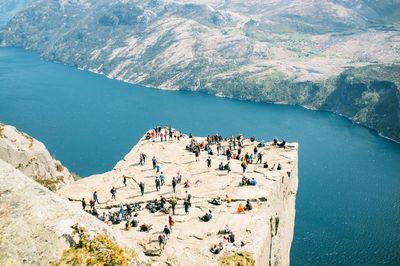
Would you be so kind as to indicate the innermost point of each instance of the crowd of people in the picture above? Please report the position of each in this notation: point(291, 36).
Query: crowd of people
point(231, 148)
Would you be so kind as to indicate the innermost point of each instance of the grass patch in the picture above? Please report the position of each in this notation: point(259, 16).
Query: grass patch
point(97, 250)
point(237, 259)
point(49, 183)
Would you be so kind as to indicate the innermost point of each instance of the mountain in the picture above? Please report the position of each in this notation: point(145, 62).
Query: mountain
point(289, 51)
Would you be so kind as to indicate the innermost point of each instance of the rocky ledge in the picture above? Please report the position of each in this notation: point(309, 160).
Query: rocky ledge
point(265, 232)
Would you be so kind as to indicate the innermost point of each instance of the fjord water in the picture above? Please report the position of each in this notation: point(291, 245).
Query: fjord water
point(348, 202)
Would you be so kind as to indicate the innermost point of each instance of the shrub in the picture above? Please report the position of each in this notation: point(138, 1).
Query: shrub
point(97, 250)
point(59, 167)
point(49, 183)
point(237, 259)
point(75, 176)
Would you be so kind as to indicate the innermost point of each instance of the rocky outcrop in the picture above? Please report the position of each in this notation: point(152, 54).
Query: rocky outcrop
point(31, 157)
point(266, 231)
point(35, 224)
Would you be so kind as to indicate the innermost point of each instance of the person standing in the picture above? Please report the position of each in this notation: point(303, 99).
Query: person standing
point(186, 204)
point(141, 186)
point(174, 184)
point(113, 192)
point(208, 162)
point(158, 183)
point(95, 197)
point(259, 157)
point(124, 181)
point(83, 204)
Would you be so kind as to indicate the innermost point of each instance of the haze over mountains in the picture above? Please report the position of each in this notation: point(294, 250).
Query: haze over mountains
point(340, 56)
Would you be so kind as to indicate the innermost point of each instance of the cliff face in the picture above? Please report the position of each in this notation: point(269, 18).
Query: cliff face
point(32, 158)
point(266, 230)
point(35, 224)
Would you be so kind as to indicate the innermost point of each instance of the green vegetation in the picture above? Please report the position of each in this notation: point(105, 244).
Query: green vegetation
point(49, 183)
point(237, 259)
point(59, 167)
point(97, 250)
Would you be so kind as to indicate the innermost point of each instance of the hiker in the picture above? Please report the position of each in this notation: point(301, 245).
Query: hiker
point(259, 157)
point(83, 204)
point(158, 168)
point(174, 184)
point(142, 159)
point(141, 186)
point(255, 150)
point(171, 222)
point(228, 154)
point(240, 208)
point(95, 198)
point(161, 241)
point(166, 231)
point(232, 237)
point(178, 177)
point(251, 158)
point(188, 197)
point(227, 199)
point(227, 167)
point(173, 203)
point(244, 165)
point(113, 192)
point(162, 179)
point(158, 183)
point(186, 205)
point(247, 157)
point(196, 153)
point(124, 180)
point(154, 161)
point(91, 202)
point(248, 206)
point(208, 162)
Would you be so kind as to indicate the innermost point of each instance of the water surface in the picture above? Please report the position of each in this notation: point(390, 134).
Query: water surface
point(348, 203)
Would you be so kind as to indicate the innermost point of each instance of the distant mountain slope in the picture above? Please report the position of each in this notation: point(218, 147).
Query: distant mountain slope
point(289, 51)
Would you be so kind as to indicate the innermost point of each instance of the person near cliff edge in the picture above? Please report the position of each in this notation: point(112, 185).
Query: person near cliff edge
point(95, 198)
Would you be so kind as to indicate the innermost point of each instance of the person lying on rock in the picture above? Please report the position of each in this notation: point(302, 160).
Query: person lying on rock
point(215, 201)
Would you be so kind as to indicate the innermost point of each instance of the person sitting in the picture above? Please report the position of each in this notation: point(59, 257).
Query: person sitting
point(240, 208)
point(275, 141)
point(127, 226)
point(134, 223)
point(265, 165)
point(253, 182)
point(227, 199)
point(232, 237)
point(227, 230)
point(210, 151)
point(145, 228)
point(279, 167)
point(245, 181)
point(186, 183)
point(248, 206)
point(221, 166)
point(215, 249)
point(282, 144)
point(215, 201)
point(207, 217)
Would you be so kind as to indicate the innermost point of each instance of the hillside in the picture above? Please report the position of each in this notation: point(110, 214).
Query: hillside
point(291, 51)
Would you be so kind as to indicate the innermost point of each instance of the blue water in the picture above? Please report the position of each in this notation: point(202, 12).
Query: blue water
point(348, 203)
